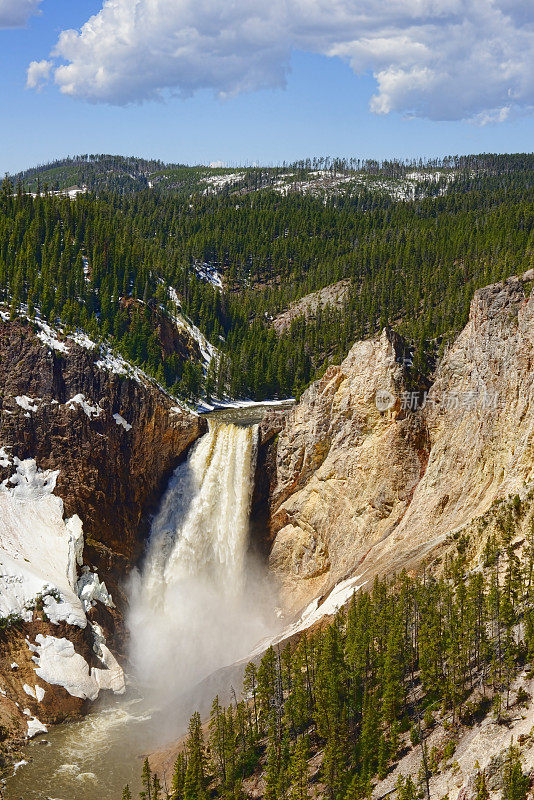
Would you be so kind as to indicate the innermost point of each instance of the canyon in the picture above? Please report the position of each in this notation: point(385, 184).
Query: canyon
point(88, 445)
point(374, 470)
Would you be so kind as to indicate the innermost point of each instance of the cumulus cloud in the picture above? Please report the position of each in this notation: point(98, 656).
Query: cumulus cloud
point(38, 74)
point(440, 59)
point(16, 13)
point(132, 49)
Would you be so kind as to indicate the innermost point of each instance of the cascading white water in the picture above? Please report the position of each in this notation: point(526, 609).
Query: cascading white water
point(194, 607)
point(199, 603)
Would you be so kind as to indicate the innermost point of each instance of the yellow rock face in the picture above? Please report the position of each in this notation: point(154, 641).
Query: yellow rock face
point(364, 483)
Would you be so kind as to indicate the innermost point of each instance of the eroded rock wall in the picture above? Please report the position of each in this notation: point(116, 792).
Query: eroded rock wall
point(82, 435)
point(358, 489)
point(114, 439)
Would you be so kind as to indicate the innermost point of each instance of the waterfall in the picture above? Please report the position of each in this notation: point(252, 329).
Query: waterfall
point(194, 607)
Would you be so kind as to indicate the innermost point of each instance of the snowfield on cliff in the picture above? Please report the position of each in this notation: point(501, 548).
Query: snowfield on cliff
point(39, 550)
point(39, 555)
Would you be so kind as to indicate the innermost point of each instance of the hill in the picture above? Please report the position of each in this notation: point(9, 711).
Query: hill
point(233, 249)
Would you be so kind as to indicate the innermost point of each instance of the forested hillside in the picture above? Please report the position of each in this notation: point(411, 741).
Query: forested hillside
point(331, 714)
point(234, 253)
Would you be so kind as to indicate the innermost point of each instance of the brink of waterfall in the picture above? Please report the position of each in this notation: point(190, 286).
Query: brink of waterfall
point(200, 602)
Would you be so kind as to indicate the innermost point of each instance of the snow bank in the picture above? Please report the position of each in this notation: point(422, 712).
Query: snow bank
point(59, 664)
point(39, 556)
point(121, 421)
point(315, 611)
point(39, 550)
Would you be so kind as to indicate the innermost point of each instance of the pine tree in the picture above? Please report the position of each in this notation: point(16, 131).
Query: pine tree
point(195, 773)
point(178, 778)
point(298, 770)
point(481, 789)
point(406, 789)
point(146, 780)
point(515, 784)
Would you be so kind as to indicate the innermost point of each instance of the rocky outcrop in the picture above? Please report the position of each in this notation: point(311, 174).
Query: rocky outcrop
point(81, 428)
point(368, 481)
point(114, 438)
point(334, 297)
point(174, 339)
point(479, 416)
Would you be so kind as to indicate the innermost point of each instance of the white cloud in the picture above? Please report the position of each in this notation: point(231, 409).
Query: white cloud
point(441, 59)
point(38, 74)
point(16, 13)
point(132, 49)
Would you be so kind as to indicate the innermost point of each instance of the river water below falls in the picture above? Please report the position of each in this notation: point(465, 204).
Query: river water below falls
point(199, 603)
point(88, 759)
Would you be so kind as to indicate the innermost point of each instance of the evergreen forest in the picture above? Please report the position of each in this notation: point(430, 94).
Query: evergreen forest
point(111, 260)
point(331, 713)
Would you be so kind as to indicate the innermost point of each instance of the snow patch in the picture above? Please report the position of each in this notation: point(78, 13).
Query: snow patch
point(79, 399)
point(121, 421)
point(27, 403)
point(35, 727)
point(315, 611)
point(218, 182)
point(38, 693)
point(118, 365)
point(82, 340)
point(50, 337)
point(221, 405)
point(207, 272)
point(91, 590)
point(207, 350)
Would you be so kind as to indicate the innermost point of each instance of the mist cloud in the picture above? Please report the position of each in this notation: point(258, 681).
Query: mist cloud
point(439, 59)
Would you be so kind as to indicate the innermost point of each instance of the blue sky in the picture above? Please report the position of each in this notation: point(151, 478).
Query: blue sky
point(324, 108)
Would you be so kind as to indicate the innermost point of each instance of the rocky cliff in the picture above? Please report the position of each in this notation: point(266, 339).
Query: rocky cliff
point(369, 476)
point(87, 444)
